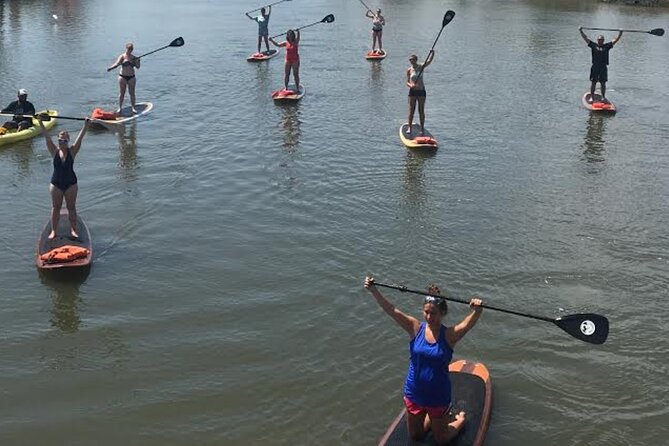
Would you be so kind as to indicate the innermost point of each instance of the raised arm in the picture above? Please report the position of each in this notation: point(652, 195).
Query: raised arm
point(80, 138)
point(430, 58)
point(367, 14)
point(51, 147)
point(297, 36)
point(620, 34)
point(269, 10)
point(277, 44)
point(580, 29)
point(118, 62)
point(454, 334)
point(248, 15)
point(408, 323)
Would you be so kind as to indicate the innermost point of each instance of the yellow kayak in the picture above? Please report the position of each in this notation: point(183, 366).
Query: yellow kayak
point(12, 137)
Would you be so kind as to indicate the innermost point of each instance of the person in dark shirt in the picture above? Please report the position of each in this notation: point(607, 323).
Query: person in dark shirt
point(600, 61)
point(20, 107)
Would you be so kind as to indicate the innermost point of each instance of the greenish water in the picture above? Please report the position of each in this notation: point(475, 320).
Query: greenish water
point(231, 235)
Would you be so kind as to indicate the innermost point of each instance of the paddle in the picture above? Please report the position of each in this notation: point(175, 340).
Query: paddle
point(445, 21)
point(363, 4)
point(655, 32)
point(327, 19)
point(179, 41)
point(44, 117)
point(266, 6)
point(587, 327)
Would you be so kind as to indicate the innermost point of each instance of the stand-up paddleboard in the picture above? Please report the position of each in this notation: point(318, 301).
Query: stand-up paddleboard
point(471, 390)
point(289, 95)
point(125, 116)
point(415, 140)
point(597, 105)
point(63, 239)
point(375, 55)
point(265, 55)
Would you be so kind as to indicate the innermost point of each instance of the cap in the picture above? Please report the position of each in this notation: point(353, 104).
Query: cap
point(23, 91)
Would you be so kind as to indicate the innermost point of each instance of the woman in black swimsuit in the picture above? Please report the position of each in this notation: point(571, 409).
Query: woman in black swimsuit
point(63, 181)
point(126, 77)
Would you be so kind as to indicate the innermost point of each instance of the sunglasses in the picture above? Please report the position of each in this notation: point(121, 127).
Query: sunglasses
point(63, 140)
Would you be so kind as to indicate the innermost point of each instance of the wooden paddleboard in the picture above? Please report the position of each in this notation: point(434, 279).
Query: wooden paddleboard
point(126, 116)
point(260, 57)
point(415, 140)
point(290, 95)
point(62, 238)
point(374, 55)
point(597, 105)
point(471, 392)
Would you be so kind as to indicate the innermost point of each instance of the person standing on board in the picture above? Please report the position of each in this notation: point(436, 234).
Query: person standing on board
point(417, 89)
point(20, 107)
point(63, 180)
point(600, 61)
point(263, 26)
point(378, 22)
point(292, 57)
point(427, 389)
point(126, 77)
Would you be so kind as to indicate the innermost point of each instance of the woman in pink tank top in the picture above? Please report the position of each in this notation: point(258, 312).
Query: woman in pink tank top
point(292, 57)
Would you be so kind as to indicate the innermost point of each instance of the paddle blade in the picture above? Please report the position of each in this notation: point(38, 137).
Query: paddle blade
point(447, 18)
point(328, 18)
point(656, 32)
point(587, 327)
point(179, 41)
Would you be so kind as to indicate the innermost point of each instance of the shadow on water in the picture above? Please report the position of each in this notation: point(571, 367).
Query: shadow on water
point(64, 285)
point(593, 144)
point(290, 123)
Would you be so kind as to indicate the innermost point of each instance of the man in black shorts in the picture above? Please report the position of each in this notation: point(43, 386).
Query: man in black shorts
point(600, 60)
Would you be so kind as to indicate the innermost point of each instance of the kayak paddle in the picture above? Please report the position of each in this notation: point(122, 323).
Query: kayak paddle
point(445, 21)
point(44, 117)
point(655, 32)
point(587, 327)
point(327, 19)
point(266, 6)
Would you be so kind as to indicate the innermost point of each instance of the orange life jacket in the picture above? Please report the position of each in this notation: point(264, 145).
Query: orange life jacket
point(99, 113)
point(64, 254)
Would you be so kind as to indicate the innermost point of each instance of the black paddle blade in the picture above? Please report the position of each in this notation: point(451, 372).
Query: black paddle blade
point(43, 117)
point(179, 41)
point(656, 32)
point(447, 18)
point(328, 18)
point(587, 327)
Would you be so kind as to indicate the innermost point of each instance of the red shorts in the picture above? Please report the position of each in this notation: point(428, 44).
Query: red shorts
point(432, 411)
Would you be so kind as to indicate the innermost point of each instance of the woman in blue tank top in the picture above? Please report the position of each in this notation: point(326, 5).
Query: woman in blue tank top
point(427, 389)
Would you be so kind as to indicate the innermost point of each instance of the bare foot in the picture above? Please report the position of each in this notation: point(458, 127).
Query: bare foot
point(409, 130)
point(52, 235)
point(134, 112)
point(74, 235)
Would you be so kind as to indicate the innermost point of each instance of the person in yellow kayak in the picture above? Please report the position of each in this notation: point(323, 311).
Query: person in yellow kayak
point(63, 180)
point(263, 26)
point(600, 62)
point(126, 76)
point(20, 107)
point(427, 389)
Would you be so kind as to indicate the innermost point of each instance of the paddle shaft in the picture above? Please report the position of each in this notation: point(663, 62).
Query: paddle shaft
point(620, 30)
point(266, 6)
point(296, 29)
point(52, 117)
point(363, 4)
point(462, 301)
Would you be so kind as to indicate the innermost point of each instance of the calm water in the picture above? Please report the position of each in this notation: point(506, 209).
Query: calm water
point(231, 235)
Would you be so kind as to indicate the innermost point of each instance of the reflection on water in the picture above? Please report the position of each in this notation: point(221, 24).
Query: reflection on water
point(22, 154)
point(414, 178)
point(593, 143)
point(64, 285)
point(290, 122)
point(127, 146)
